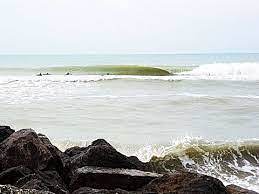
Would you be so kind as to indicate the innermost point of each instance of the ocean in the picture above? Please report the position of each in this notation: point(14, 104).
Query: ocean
point(204, 114)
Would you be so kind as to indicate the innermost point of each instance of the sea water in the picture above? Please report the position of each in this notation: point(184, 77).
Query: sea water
point(205, 114)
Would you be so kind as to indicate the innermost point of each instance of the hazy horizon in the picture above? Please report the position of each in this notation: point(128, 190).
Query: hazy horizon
point(128, 27)
point(140, 53)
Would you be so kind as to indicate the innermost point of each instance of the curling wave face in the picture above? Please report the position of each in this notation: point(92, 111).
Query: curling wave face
point(93, 70)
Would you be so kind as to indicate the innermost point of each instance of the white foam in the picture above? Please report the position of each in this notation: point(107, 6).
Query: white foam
point(225, 71)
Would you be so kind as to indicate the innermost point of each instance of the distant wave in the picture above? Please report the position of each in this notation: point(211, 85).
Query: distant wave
point(94, 70)
point(214, 71)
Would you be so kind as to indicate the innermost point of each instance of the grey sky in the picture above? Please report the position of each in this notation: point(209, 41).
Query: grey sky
point(129, 26)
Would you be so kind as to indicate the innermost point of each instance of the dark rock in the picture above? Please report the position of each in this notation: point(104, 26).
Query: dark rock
point(139, 165)
point(75, 151)
point(5, 131)
point(187, 183)
point(12, 175)
point(31, 151)
point(109, 178)
point(101, 142)
point(36, 184)
point(26, 148)
point(48, 181)
point(88, 190)
point(60, 158)
point(102, 154)
point(8, 189)
point(234, 189)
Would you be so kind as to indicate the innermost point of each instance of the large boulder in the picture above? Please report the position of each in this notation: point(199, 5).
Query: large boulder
point(8, 189)
point(187, 183)
point(5, 131)
point(100, 153)
point(30, 161)
point(110, 178)
point(26, 148)
point(234, 189)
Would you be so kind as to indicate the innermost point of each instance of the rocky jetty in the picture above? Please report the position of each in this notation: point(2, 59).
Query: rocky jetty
point(29, 163)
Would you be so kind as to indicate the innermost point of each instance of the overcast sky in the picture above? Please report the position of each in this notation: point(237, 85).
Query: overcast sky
point(128, 26)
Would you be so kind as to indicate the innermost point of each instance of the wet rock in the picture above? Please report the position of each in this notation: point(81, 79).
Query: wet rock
point(5, 131)
point(8, 189)
point(26, 148)
point(234, 189)
point(108, 178)
point(12, 175)
point(187, 183)
point(102, 154)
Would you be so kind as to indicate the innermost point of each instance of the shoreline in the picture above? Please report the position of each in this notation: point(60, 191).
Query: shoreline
point(29, 161)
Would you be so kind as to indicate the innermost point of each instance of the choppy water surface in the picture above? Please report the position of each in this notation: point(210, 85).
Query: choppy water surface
point(204, 116)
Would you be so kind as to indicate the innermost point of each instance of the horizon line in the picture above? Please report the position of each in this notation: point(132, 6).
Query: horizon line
point(137, 53)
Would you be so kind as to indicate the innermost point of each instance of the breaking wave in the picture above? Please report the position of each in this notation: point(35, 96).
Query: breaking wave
point(225, 71)
point(232, 162)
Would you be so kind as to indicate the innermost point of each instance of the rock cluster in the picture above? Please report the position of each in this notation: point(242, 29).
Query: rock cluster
point(29, 163)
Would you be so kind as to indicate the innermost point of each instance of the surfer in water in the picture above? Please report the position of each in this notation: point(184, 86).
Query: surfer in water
point(68, 73)
point(40, 74)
